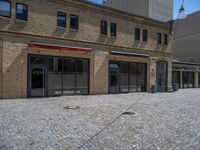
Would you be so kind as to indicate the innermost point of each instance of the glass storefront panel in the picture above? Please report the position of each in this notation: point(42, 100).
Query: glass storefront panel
point(55, 76)
point(128, 77)
point(82, 77)
point(141, 71)
point(176, 78)
point(124, 79)
point(188, 79)
point(61, 76)
point(113, 68)
point(69, 77)
point(133, 77)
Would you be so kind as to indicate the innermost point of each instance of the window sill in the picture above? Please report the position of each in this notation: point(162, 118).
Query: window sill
point(73, 30)
point(5, 17)
point(104, 35)
point(22, 21)
point(61, 28)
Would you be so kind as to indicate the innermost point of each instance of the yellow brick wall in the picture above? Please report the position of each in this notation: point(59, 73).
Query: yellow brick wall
point(1, 66)
point(42, 20)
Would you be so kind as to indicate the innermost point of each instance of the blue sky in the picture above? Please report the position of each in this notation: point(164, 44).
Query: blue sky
point(190, 5)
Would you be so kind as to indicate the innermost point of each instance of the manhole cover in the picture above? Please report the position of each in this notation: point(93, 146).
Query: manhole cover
point(128, 113)
point(72, 107)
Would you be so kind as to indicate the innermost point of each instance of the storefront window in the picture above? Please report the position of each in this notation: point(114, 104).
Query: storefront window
point(55, 77)
point(124, 77)
point(69, 77)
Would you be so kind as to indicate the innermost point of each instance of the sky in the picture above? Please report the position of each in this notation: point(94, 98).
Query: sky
point(190, 6)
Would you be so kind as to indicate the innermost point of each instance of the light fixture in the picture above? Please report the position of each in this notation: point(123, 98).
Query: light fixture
point(182, 14)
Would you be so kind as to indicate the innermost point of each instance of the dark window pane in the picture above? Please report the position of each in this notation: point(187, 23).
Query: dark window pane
point(159, 38)
point(104, 27)
point(38, 60)
point(21, 11)
point(165, 39)
point(69, 77)
point(113, 29)
point(141, 73)
point(82, 66)
point(145, 35)
point(55, 65)
point(137, 34)
point(73, 22)
point(69, 65)
point(61, 19)
point(5, 9)
point(124, 68)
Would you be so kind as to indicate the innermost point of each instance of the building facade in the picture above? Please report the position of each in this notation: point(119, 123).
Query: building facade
point(155, 9)
point(186, 54)
point(66, 47)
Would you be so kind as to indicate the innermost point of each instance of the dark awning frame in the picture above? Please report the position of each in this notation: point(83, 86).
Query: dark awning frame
point(129, 53)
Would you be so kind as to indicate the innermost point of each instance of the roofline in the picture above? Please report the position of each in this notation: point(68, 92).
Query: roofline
point(122, 12)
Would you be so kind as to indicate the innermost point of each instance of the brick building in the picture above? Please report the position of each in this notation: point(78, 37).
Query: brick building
point(66, 47)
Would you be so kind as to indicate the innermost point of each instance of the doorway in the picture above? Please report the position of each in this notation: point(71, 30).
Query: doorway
point(38, 77)
point(161, 76)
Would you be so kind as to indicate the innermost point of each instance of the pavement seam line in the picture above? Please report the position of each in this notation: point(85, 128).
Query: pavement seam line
point(106, 126)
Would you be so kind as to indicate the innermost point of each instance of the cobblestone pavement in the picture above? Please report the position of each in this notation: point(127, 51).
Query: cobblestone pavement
point(161, 121)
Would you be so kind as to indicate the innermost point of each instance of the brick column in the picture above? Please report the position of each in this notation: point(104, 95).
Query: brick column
point(181, 78)
point(196, 81)
point(169, 75)
point(1, 67)
point(101, 72)
point(152, 73)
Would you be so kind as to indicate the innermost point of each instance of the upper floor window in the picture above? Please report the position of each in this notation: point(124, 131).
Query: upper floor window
point(21, 11)
point(137, 34)
point(5, 8)
point(165, 39)
point(104, 27)
point(61, 19)
point(145, 35)
point(159, 38)
point(113, 29)
point(73, 22)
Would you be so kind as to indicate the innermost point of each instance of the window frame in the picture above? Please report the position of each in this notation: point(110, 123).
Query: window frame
point(137, 36)
point(102, 29)
point(24, 19)
point(113, 34)
point(10, 10)
point(159, 38)
point(60, 12)
point(74, 27)
point(145, 35)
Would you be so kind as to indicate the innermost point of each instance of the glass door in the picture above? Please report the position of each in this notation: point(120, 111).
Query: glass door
point(38, 81)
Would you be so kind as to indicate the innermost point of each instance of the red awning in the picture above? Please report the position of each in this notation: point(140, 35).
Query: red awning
point(58, 47)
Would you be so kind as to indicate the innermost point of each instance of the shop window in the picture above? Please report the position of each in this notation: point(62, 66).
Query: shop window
point(113, 29)
point(5, 8)
point(61, 19)
point(21, 11)
point(55, 76)
point(74, 22)
point(124, 79)
point(104, 27)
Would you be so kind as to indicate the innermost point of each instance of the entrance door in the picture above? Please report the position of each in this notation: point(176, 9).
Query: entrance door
point(37, 86)
point(161, 76)
point(114, 81)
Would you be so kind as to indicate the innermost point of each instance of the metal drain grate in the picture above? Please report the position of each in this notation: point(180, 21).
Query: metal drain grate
point(128, 113)
point(72, 107)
